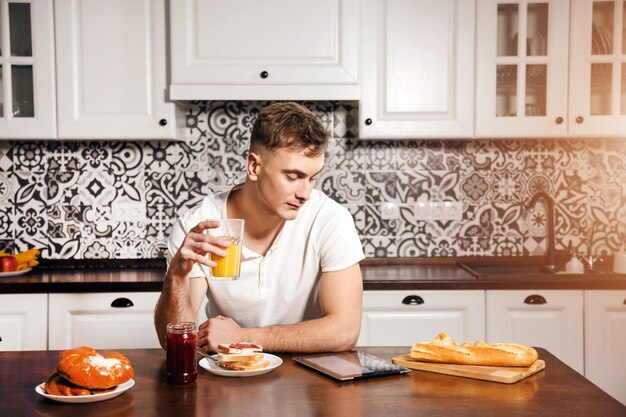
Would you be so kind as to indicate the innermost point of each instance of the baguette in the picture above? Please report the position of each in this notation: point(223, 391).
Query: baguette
point(443, 349)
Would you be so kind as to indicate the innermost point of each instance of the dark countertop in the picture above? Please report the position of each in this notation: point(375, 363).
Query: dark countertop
point(379, 274)
point(291, 390)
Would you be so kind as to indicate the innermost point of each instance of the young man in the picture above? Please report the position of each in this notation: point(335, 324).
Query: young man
point(300, 286)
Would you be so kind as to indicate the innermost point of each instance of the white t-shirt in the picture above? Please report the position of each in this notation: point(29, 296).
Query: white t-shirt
point(281, 287)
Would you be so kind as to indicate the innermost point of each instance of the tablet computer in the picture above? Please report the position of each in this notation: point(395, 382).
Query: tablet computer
point(346, 366)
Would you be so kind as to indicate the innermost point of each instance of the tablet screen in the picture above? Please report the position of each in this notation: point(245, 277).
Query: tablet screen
point(350, 365)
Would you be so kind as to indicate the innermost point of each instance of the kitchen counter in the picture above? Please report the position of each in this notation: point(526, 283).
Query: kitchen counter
point(291, 390)
point(392, 274)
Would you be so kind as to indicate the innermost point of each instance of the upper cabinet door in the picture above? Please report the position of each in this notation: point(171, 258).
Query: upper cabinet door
point(111, 66)
point(262, 50)
point(417, 69)
point(521, 68)
point(27, 85)
point(598, 69)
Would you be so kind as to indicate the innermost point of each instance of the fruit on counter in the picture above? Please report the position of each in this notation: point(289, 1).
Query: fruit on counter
point(25, 260)
point(8, 263)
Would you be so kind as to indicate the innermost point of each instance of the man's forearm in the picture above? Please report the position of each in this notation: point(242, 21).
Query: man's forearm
point(326, 334)
point(174, 305)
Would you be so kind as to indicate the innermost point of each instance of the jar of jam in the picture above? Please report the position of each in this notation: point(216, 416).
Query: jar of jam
point(182, 367)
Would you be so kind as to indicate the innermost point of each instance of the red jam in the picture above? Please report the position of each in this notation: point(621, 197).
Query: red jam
point(243, 346)
point(182, 367)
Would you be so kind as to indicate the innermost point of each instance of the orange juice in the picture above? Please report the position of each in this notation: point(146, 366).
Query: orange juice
point(227, 266)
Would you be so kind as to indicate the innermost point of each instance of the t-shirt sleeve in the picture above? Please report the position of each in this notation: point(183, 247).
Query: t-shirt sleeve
point(177, 235)
point(339, 243)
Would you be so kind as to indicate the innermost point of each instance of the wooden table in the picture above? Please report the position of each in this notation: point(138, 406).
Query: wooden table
point(291, 390)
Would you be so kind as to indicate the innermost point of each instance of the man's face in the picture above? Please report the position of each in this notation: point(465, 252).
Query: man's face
point(286, 179)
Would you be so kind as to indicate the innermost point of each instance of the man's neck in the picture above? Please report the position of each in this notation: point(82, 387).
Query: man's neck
point(261, 226)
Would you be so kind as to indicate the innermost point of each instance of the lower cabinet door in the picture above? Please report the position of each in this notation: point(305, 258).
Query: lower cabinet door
point(103, 320)
point(403, 318)
point(550, 319)
point(23, 322)
point(605, 341)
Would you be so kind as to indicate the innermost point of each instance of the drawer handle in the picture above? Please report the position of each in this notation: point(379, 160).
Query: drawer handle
point(413, 300)
point(122, 303)
point(535, 299)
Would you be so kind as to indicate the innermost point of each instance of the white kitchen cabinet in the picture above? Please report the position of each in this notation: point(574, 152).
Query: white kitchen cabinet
point(417, 66)
point(23, 322)
point(551, 319)
point(103, 320)
point(521, 68)
point(27, 79)
point(605, 341)
point(598, 69)
point(261, 50)
point(111, 70)
point(403, 318)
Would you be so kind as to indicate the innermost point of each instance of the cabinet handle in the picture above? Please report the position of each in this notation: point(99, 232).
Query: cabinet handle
point(559, 120)
point(264, 74)
point(535, 299)
point(162, 122)
point(580, 119)
point(413, 300)
point(122, 303)
point(368, 121)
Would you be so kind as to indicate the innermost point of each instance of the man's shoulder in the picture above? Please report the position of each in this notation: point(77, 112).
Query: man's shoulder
point(321, 207)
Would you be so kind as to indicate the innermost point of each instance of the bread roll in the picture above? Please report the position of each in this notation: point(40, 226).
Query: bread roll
point(443, 349)
point(85, 367)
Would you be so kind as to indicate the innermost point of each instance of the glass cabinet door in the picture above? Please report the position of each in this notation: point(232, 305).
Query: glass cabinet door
point(522, 68)
point(598, 66)
point(26, 80)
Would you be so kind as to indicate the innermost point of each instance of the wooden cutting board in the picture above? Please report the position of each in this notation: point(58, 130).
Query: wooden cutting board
point(504, 374)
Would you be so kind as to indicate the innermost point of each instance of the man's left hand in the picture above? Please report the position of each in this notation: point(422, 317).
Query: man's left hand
point(218, 330)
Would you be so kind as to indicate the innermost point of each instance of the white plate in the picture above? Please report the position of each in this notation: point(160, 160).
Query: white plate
point(86, 398)
point(14, 273)
point(214, 368)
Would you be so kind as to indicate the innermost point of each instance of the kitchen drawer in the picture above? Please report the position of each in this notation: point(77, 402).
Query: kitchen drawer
point(403, 318)
point(23, 321)
point(103, 320)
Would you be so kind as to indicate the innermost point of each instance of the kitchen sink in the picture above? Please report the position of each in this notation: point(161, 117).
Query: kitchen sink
point(508, 269)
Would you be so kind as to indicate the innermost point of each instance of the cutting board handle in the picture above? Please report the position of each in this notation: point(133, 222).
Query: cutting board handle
point(413, 300)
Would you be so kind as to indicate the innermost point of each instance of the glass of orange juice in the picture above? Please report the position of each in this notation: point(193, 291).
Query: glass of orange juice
point(228, 267)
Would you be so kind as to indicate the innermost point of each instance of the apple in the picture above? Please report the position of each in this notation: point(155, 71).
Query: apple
point(8, 263)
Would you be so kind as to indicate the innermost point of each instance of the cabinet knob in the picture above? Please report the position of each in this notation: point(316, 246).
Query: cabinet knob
point(559, 120)
point(413, 300)
point(368, 121)
point(623, 303)
point(122, 303)
point(264, 74)
point(162, 122)
point(535, 299)
point(580, 119)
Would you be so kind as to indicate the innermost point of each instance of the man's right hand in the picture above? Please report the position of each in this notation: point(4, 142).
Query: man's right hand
point(195, 247)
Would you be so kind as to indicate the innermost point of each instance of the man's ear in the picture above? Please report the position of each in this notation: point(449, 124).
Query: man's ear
point(253, 165)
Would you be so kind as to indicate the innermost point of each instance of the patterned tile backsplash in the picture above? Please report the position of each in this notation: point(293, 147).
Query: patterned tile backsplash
point(90, 199)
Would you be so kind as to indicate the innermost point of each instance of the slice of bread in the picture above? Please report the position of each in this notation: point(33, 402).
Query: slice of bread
point(245, 366)
point(239, 347)
point(239, 357)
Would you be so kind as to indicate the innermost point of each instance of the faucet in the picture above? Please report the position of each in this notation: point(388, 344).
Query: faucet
point(550, 265)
